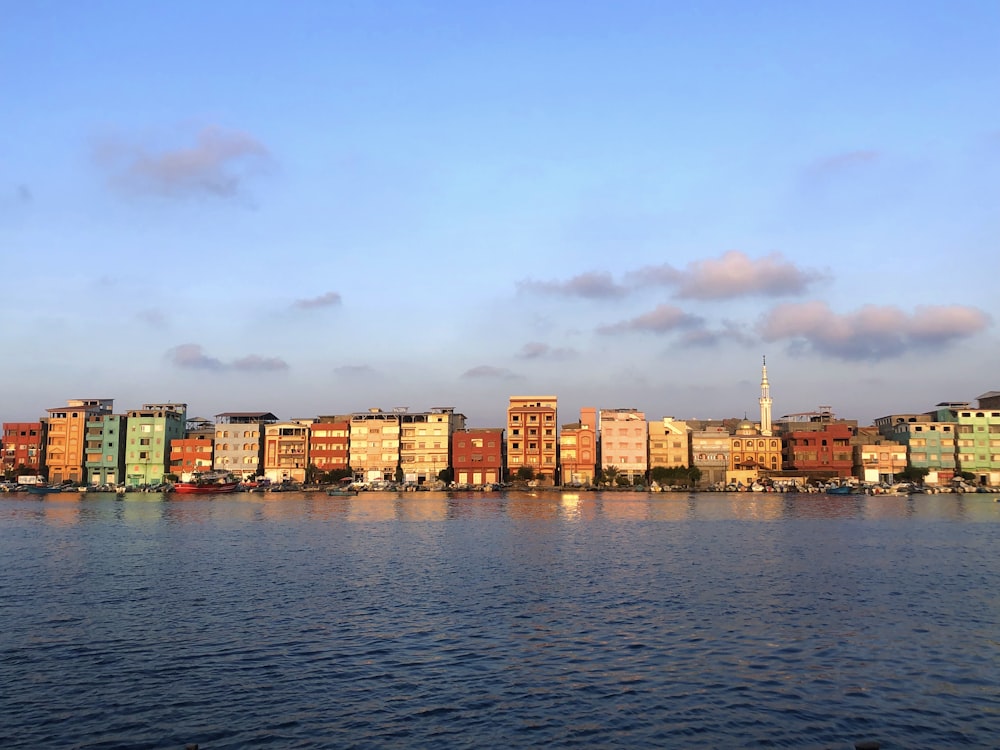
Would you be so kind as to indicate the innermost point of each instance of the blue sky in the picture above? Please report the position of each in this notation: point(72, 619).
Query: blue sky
point(322, 207)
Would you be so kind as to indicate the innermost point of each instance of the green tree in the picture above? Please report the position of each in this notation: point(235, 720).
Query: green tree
point(610, 474)
point(399, 474)
point(525, 473)
point(446, 475)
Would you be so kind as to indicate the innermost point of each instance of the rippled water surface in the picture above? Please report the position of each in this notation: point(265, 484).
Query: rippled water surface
point(430, 620)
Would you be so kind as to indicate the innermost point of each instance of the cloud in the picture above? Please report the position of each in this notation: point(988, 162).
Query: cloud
point(707, 338)
point(153, 317)
point(841, 162)
point(489, 372)
point(871, 333)
point(735, 274)
point(193, 357)
point(590, 285)
point(538, 350)
point(662, 319)
point(330, 299)
point(216, 163)
point(354, 371)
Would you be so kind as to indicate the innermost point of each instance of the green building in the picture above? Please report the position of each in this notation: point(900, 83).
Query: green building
point(104, 449)
point(148, 434)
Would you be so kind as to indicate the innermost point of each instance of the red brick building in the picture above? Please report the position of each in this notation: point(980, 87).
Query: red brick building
point(330, 444)
point(824, 452)
point(477, 455)
point(191, 455)
point(22, 447)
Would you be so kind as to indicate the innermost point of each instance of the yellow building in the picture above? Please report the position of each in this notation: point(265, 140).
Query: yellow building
point(531, 436)
point(66, 437)
point(669, 444)
point(374, 447)
point(752, 455)
point(425, 442)
point(286, 450)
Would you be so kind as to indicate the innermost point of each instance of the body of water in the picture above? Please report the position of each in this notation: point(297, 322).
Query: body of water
point(434, 620)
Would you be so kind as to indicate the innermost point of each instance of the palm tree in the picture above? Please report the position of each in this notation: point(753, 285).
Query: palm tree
point(610, 475)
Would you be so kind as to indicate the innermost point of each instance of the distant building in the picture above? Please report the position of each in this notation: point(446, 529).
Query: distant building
point(880, 462)
point(477, 454)
point(375, 445)
point(194, 453)
point(22, 448)
point(978, 443)
point(425, 442)
point(330, 443)
point(239, 443)
point(710, 446)
point(989, 400)
point(578, 449)
point(531, 436)
point(822, 450)
point(928, 440)
point(105, 448)
point(669, 444)
point(286, 450)
point(623, 439)
point(149, 432)
point(65, 430)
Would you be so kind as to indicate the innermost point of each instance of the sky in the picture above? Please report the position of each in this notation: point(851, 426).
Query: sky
point(324, 207)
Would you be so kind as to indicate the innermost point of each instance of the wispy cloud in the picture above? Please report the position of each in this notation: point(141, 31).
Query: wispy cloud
point(153, 317)
point(217, 163)
point(872, 332)
point(662, 319)
point(487, 372)
point(193, 357)
point(539, 350)
point(734, 274)
point(329, 299)
point(590, 285)
point(728, 332)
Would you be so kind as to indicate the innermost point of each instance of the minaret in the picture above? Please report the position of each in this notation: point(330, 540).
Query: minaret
point(765, 401)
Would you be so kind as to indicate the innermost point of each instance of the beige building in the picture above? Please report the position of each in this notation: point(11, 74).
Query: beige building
point(65, 440)
point(624, 435)
point(239, 442)
point(880, 461)
point(669, 444)
point(710, 446)
point(374, 447)
point(752, 454)
point(531, 436)
point(286, 450)
point(425, 442)
point(578, 449)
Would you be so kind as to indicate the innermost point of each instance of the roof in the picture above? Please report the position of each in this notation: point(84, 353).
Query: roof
point(261, 414)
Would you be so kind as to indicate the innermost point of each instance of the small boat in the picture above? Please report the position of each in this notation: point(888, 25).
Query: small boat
point(43, 489)
point(208, 484)
point(341, 492)
point(843, 489)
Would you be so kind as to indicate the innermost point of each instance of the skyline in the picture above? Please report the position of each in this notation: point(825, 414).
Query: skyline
point(337, 207)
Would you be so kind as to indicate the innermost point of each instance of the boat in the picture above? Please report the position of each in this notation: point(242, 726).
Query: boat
point(208, 484)
point(842, 489)
point(43, 489)
point(341, 492)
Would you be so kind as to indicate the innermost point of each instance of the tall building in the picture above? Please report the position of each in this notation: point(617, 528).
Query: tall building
point(286, 450)
point(477, 454)
point(375, 445)
point(330, 443)
point(23, 444)
point(149, 432)
point(669, 444)
point(105, 448)
point(623, 440)
point(239, 443)
point(765, 402)
point(578, 449)
point(425, 442)
point(65, 439)
point(710, 446)
point(531, 436)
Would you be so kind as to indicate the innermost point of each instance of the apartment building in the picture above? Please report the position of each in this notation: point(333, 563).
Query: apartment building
point(23, 448)
point(239, 443)
point(710, 446)
point(330, 443)
point(286, 450)
point(105, 448)
point(374, 445)
point(65, 438)
point(149, 432)
point(578, 450)
point(623, 438)
point(477, 455)
point(531, 436)
point(425, 442)
point(669, 443)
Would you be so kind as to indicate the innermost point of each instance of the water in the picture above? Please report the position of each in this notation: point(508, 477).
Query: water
point(428, 620)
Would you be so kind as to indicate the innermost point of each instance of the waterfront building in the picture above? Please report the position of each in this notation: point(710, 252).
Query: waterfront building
point(105, 448)
point(425, 442)
point(710, 446)
point(23, 444)
point(194, 453)
point(65, 438)
point(752, 454)
point(929, 440)
point(374, 445)
point(149, 432)
point(286, 450)
point(531, 436)
point(477, 454)
point(624, 442)
point(669, 444)
point(881, 461)
point(977, 436)
point(578, 449)
point(817, 444)
point(239, 444)
point(330, 443)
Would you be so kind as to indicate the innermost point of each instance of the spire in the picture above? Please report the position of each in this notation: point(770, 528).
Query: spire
point(765, 400)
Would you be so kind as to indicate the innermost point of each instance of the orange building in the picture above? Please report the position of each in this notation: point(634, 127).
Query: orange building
point(531, 436)
point(477, 455)
point(191, 455)
point(22, 447)
point(65, 438)
point(578, 449)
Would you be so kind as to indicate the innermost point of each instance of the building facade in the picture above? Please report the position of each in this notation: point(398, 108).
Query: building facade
point(578, 450)
point(330, 444)
point(23, 448)
point(149, 432)
point(65, 440)
point(669, 444)
point(375, 446)
point(425, 442)
point(531, 436)
point(239, 442)
point(105, 448)
point(478, 455)
point(710, 446)
point(286, 450)
point(624, 442)
point(822, 452)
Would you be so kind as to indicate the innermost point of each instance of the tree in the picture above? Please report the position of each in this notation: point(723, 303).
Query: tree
point(446, 475)
point(399, 474)
point(525, 473)
point(610, 474)
point(313, 473)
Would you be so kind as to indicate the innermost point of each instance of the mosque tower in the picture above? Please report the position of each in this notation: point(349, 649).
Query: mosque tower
point(765, 402)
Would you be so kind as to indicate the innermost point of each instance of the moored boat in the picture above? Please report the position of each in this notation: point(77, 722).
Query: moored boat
point(207, 484)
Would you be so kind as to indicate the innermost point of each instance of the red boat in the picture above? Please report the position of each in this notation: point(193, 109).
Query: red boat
point(207, 485)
